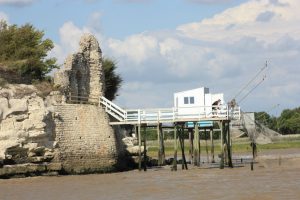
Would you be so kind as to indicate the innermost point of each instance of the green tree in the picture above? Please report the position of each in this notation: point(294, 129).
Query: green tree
point(289, 121)
point(112, 79)
point(265, 119)
point(24, 51)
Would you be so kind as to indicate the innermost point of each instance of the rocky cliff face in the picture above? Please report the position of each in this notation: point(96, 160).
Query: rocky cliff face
point(26, 126)
point(68, 127)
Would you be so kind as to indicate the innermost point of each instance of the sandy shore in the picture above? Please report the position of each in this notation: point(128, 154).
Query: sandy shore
point(275, 176)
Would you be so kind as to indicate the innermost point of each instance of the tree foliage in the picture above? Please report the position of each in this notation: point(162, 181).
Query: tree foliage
point(287, 123)
point(112, 79)
point(267, 120)
point(24, 51)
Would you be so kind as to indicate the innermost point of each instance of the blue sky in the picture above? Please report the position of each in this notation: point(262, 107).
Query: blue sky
point(164, 46)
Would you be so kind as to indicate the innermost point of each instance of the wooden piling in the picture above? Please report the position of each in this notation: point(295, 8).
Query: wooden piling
point(181, 140)
point(196, 146)
point(140, 150)
point(222, 146)
point(206, 146)
point(175, 149)
point(212, 151)
point(191, 147)
point(161, 148)
point(229, 146)
point(145, 148)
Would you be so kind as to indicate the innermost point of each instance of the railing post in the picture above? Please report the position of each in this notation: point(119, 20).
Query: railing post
point(158, 116)
point(227, 111)
point(173, 110)
point(139, 116)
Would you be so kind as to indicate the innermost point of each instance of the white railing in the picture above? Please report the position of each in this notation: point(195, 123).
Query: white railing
point(169, 114)
point(177, 114)
point(112, 109)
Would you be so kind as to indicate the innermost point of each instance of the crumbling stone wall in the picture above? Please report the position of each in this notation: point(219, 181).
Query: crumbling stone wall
point(86, 141)
point(82, 76)
point(52, 134)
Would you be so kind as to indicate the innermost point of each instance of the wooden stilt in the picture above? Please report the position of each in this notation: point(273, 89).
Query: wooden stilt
point(159, 143)
point(196, 146)
point(222, 146)
point(191, 146)
point(145, 148)
point(225, 143)
point(161, 149)
point(181, 140)
point(140, 149)
point(199, 147)
point(206, 146)
point(229, 147)
point(212, 151)
point(175, 149)
point(163, 145)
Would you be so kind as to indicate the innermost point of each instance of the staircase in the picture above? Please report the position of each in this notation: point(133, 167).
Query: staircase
point(112, 109)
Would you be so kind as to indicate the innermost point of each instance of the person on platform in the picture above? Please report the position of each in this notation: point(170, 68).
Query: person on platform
point(216, 106)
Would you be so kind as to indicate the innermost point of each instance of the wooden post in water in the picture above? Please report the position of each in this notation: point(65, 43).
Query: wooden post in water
point(229, 147)
point(196, 146)
point(175, 149)
point(181, 140)
point(140, 149)
point(212, 151)
point(222, 146)
point(206, 146)
point(191, 145)
point(161, 147)
point(145, 148)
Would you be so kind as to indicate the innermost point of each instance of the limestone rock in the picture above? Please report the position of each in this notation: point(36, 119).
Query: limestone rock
point(129, 141)
point(134, 150)
point(25, 121)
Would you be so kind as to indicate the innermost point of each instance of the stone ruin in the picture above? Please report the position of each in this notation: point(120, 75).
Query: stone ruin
point(68, 131)
point(82, 78)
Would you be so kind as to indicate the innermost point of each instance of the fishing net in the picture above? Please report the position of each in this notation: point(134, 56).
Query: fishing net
point(256, 131)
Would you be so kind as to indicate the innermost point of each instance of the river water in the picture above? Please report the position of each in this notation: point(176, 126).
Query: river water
point(270, 179)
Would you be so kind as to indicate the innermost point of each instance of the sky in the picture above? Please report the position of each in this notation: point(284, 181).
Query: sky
point(166, 46)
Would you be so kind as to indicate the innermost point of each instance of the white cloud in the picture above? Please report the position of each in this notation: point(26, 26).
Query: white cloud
point(17, 2)
point(3, 16)
point(136, 48)
point(70, 35)
point(209, 1)
point(248, 19)
point(222, 53)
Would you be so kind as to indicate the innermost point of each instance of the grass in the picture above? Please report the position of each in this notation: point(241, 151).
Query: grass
point(238, 146)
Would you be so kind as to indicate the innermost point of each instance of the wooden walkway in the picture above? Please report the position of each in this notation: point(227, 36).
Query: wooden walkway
point(168, 115)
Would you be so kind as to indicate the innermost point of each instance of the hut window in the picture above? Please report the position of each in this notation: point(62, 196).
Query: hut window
point(186, 100)
point(192, 100)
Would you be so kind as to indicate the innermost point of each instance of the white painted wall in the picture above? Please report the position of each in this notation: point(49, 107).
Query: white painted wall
point(202, 101)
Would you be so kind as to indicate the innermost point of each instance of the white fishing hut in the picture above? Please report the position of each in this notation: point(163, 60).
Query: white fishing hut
point(197, 102)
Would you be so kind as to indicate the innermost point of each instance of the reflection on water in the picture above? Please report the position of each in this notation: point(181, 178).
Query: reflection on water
point(276, 182)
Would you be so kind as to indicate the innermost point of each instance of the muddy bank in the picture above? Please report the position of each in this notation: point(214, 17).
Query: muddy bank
point(269, 180)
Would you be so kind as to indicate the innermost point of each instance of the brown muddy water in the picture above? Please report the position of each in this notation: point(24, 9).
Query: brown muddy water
point(271, 179)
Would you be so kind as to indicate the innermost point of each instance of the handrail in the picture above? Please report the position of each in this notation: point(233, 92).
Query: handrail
point(169, 114)
point(113, 109)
